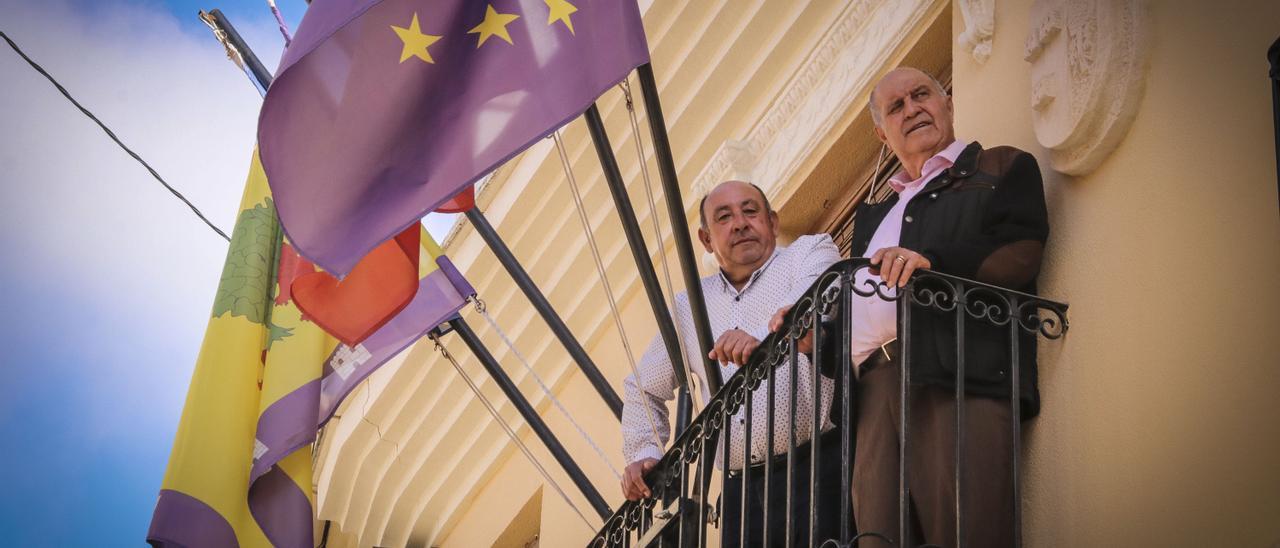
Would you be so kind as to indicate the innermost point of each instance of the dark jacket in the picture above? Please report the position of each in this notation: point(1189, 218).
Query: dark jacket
point(982, 219)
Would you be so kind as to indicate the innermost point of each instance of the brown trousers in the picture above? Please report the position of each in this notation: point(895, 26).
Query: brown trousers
point(988, 489)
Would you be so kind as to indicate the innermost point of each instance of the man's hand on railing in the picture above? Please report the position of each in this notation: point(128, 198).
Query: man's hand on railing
point(805, 343)
point(735, 346)
point(895, 265)
point(633, 486)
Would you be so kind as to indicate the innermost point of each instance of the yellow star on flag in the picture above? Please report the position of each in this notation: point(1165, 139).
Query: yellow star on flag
point(494, 24)
point(560, 11)
point(415, 42)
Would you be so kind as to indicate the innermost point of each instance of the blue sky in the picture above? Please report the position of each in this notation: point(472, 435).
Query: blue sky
point(108, 280)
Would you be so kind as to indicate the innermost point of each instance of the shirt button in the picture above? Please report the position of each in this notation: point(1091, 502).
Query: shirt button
point(738, 298)
point(933, 196)
point(907, 218)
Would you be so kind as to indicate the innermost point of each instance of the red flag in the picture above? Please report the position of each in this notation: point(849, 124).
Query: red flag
point(378, 288)
point(460, 203)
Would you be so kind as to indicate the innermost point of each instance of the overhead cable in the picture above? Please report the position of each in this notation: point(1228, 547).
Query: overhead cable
point(112, 135)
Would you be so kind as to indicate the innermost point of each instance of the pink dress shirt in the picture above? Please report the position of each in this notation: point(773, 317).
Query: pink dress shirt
point(875, 320)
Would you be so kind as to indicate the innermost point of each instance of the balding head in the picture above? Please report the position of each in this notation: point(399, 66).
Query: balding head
point(876, 113)
point(915, 118)
point(702, 205)
point(739, 228)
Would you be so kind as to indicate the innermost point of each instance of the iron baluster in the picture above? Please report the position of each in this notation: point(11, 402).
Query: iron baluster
point(767, 458)
point(747, 412)
point(847, 441)
point(1015, 414)
point(815, 419)
point(904, 435)
point(793, 345)
point(961, 310)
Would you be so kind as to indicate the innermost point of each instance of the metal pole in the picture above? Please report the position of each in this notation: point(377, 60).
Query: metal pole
point(251, 62)
point(531, 416)
point(679, 224)
point(644, 264)
point(544, 309)
point(1273, 55)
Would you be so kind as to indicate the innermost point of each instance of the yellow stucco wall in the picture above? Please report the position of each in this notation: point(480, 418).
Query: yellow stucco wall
point(1160, 425)
point(1161, 422)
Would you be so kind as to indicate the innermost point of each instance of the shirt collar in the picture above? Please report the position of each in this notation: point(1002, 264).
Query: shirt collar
point(940, 161)
point(727, 286)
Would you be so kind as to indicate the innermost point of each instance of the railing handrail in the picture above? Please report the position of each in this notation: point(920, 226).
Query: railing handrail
point(776, 348)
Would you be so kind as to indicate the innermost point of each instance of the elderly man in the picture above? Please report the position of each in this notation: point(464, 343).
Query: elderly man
point(756, 277)
point(965, 210)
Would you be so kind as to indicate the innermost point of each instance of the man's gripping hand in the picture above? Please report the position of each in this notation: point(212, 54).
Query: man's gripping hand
point(805, 343)
point(735, 345)
point(633, 486)
point(896, 264)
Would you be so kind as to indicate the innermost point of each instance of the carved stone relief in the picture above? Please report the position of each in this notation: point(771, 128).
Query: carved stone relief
point(1088, 68)
point(979, 28)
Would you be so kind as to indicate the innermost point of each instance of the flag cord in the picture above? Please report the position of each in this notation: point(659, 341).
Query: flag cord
point(604, 282)
point(657, 229)
point(483, 310)
point(280, 24)
point(662, 245)
point(510, 433)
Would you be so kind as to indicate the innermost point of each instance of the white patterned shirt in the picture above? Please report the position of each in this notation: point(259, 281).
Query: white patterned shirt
point(781, 281)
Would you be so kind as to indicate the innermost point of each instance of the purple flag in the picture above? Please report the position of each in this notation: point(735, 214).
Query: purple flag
point(381, 110)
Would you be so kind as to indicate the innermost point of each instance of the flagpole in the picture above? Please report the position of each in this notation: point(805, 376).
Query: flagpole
point(258, 72)
point(540, 303)
point(644, 264)
point(531, 416)
point(679, 223)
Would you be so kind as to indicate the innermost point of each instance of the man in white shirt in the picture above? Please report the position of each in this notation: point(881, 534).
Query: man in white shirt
point(756, 277)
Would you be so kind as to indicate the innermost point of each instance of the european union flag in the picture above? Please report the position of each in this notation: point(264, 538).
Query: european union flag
point(382, 110)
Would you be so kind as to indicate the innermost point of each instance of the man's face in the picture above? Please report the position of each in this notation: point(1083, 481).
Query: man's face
point(917, 120)
point(740, 231)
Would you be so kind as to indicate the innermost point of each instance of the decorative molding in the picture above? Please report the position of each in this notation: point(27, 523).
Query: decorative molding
point(1089, 62)
point(741, 159)
point(740, 156)
point(979, 28)
point(868, 51)
point(839, 71)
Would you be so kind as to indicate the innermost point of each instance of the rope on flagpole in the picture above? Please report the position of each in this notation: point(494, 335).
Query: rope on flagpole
point(112, 135)
point(483, 310)
point(280, 24)
point(657, 228)
point(604, 281)
point(493, 411)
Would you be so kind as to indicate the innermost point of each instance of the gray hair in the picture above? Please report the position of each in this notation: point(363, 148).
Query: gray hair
point(876, 116)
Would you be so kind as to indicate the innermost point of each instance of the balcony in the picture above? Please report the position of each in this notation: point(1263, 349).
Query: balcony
point(687, 481)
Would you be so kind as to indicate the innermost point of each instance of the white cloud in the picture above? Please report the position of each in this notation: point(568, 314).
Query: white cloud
point(81, 213)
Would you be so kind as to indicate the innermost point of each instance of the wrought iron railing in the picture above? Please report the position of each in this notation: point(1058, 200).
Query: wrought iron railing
point(682, 511)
